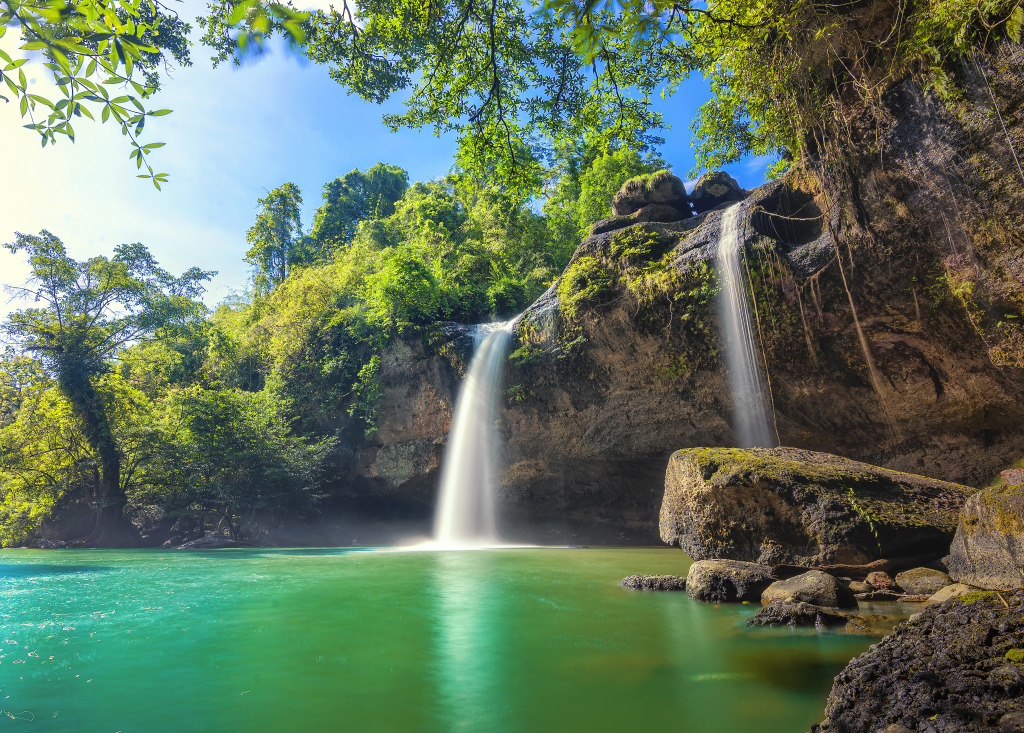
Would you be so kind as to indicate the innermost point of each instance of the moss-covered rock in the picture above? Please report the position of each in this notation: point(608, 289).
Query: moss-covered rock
point(923, 581)
point(727, 581)
point(950, 668)
point(714, 189)
point(785, 505)
point(654, 188)
point(814, 587)
point(988, 550)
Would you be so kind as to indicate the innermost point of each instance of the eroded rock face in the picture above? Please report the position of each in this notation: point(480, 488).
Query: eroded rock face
point(988, 550)
point(786, 505)
point(956, 666)
point(727, 581)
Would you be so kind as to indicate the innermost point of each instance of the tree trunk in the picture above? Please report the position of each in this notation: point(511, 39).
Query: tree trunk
point(112, 528)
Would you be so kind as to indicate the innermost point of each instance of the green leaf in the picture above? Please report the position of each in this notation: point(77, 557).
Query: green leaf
point(1015, 23)
point(159, 113)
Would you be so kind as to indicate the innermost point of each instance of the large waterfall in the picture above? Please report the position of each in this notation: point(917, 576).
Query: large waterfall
point(469, 476)
point(750, 416)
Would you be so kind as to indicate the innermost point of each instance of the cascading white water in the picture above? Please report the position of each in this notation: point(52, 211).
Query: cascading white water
point(469, 476)
point(750, 416)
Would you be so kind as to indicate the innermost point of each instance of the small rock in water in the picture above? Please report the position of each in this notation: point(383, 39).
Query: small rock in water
point(923, 581)
point(815, 587)
point(726, 581)
point(654, 582)
point(880, 581)
point(784, 613)
point(880, 596)
point(858, 587)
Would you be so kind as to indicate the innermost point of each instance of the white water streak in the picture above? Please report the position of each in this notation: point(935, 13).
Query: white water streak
point(469, 476)
point(750, 416)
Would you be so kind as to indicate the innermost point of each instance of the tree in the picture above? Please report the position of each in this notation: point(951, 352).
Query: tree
point(356, 197)
point(276, 237)
point(88, 313)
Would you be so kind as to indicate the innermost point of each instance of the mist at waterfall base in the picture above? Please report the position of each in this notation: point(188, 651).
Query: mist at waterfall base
point(751, 424)
point(471, 468)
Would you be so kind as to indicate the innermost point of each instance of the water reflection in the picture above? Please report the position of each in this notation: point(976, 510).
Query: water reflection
point(472, 692)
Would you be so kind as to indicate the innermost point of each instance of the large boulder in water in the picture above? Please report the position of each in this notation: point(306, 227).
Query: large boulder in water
point(726, 581)
point(814, 587)
point(988, 550)
point(785, 505)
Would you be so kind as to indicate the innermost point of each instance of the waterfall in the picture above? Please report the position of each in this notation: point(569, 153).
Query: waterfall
point(469, 476)
point(750, 416)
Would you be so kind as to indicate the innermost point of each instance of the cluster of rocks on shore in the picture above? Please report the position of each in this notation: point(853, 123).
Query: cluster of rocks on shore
point(812, 537)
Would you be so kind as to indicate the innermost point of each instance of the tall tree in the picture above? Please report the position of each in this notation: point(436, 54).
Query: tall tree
point(355, 197)
point(87, 313)
point(276, 237)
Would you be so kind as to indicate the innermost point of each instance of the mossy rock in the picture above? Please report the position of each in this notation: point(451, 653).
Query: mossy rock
point(653, 188)
point(785, 505)
point(988, 550)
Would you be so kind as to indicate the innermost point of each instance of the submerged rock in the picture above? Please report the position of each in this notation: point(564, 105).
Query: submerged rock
point(954, 667)
point(988, 550)
point(726, 581)
point(814, 587)
point(923, 581)
point(654, 582)
point(786, 613)
point(785, 505)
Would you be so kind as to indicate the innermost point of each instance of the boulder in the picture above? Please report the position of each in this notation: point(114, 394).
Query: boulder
point(950, 668)
point(655, 188)
point(880, 581)
point(798, 614)
point(923, 581)
point(726, 581)
point(950, 591)
point(654, 582)
point(785, 505)
point(714, 189)
point(988, 550)
point(814, 587)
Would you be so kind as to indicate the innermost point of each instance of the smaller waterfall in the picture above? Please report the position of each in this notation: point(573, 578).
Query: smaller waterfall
point(469, 476)
point(750, 416)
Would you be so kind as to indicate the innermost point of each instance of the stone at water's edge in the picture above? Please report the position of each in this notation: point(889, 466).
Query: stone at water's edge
point(923, 581)
point(951, 591)
point(727, 581)
point(988, 550)
point(814, 587)
point(784, 505)
point(958, 666)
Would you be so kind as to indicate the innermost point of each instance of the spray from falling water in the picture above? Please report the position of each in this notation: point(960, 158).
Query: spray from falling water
point(469, 476)
point(750, 417)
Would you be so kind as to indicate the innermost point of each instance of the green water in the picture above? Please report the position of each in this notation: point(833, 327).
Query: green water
point(334, 640)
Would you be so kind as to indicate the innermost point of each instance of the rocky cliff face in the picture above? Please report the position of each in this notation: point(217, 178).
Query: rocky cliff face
point(889, 287)
point(890, 301)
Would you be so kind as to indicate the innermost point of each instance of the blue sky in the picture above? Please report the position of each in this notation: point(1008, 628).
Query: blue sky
point(235, 134)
